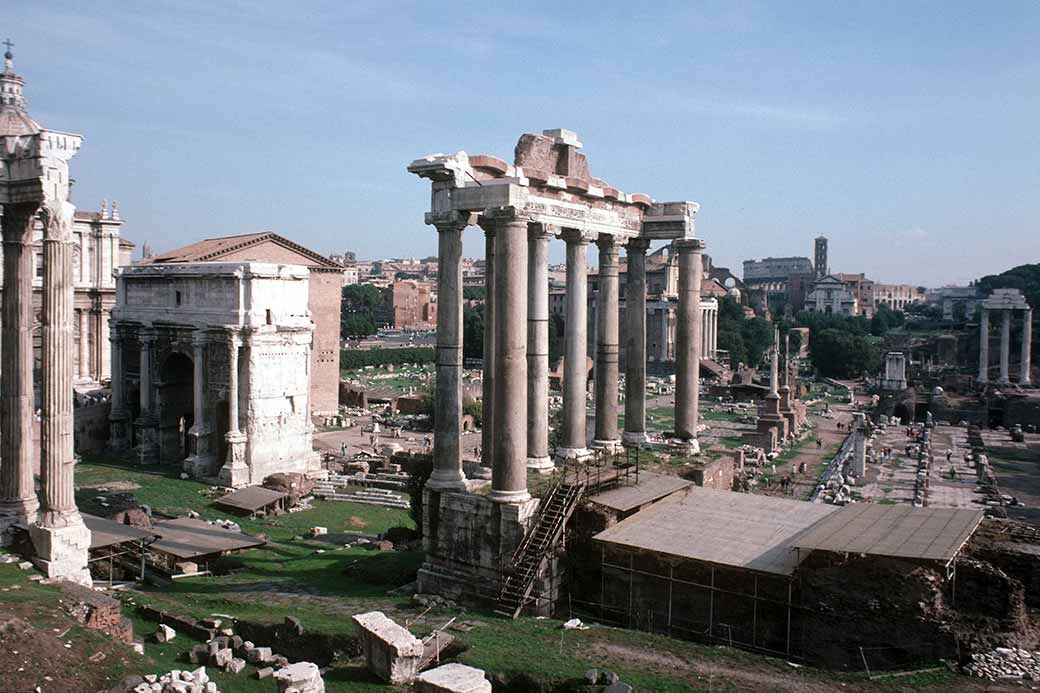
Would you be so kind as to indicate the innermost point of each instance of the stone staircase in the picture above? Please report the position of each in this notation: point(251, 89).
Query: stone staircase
point(331, 490)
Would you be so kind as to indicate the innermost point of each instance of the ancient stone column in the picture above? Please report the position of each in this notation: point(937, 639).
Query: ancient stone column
point(509, 464)
point(1024, 376)
point(606, 381)
point(17, 490)
point(60, 538)
point(538, 348)
point(235, 472)
point(688, 342)
point(147, 422)
point(84, 345)
point(635, 342)
point(984, 347)
point(575, 373)
point(487, 429)
point(1005, 346)
point(447, 435)
point(118, 417)
point(197, 462)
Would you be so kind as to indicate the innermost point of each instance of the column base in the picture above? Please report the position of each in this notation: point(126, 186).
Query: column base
point(634, 438)
point(542, 465)
point(447, 480)
point(235, 472)
point(61, 552)
point(483, 473)
point(23, 510)
point(573, 453)
point(688, 447)
point(509, 496)
point(611, 446)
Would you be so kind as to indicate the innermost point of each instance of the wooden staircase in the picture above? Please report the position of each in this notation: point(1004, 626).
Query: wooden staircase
point(534, 550)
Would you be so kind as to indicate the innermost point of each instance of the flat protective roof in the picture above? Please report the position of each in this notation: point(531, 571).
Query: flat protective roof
point(898, 531)
point(188, 538)
point(651, 487)
point(251, 498)
point(721, 527)
point(104, 533)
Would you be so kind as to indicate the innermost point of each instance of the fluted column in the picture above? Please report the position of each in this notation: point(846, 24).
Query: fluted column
point(1024, 376)
point(119, 434)
point(487, 380)
point(538, 348)
point(84, 344)
point(635, 342)
point(984, 347)
point(575, 373)
point(447, 434)
point(509, 464)
point(606, 382)
point(1005, 346)
point(17, 489)
point(688, 342)
point(59, 505)
point(235, 472)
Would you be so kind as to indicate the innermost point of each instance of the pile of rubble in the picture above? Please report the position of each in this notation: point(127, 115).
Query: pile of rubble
point(1007, 663)
point(177, 681)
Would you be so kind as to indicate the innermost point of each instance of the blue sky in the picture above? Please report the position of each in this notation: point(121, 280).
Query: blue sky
point(907, 132)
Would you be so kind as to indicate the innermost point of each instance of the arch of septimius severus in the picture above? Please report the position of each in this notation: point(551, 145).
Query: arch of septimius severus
point(545, 194)
point(34, 185)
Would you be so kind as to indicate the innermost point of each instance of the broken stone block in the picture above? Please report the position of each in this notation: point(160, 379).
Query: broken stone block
point(319, 531)
point(220, 658)
point(618, 687)
point(190, 568)
point(236, 665)
point(592, 677)
point(391, 652)
point(265, 673)
point(198, 654)
point(452, 678)
point(293, 625)
point(301, 677)
point(165, 633)
point(236, 642)
point(259, 655)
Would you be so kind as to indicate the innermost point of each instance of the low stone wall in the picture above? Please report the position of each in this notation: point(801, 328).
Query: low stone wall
point(91, 427)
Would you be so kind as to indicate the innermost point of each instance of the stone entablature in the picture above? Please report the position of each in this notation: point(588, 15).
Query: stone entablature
point(220, 355)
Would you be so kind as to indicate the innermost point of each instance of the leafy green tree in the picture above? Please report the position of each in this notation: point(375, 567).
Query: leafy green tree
point(473, 331)
point(839, 353)
point(359, 309)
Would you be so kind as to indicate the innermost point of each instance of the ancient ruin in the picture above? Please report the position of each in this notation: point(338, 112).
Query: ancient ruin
point(547, 192)
point(211, 368)
point(35, 185)
point(1007, 302)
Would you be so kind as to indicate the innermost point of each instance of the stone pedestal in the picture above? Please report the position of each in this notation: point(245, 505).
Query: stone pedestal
point(235, 472)
point(61, 552)
point(391, 652)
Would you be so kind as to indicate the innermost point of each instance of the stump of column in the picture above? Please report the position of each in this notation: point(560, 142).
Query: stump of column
point(60, 539)
point(447, 472)
point(573, 443)
point(18, 501)
point(984, 347)
point(635, 343)
point(509, 461)
point(538, 458)
point(487, 378)
point(606, 380)
point(688, 344)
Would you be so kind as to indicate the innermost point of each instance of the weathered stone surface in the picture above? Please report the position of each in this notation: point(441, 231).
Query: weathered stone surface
point(391, 652)
point(164, 633)
point(452, 678)
point(301, 677)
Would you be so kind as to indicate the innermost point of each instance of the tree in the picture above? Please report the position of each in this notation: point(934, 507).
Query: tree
point(473, 331)
point(359, 309)
point(840, 354)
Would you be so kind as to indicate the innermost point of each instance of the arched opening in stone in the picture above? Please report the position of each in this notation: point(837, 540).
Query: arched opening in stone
point(176, 407)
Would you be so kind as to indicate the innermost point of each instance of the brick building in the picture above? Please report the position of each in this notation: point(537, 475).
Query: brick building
point(326, 285)
point(414, 305)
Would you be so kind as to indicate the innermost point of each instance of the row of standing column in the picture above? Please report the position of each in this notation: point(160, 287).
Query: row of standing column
point(1025, 361)
point(709, 332)
point(516, 364)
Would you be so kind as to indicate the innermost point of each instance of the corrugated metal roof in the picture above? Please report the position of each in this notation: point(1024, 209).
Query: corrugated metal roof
point(899, 531)
point(651, 487)
point(721, 527)
point(105, 533)
point(188, 538)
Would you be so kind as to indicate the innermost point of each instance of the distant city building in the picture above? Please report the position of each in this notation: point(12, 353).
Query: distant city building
point(832, 295)
point(897, 296)
point(820, 257)
point(325, 291)
point(863, 289)
point(957, 302)
point(414, 305)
